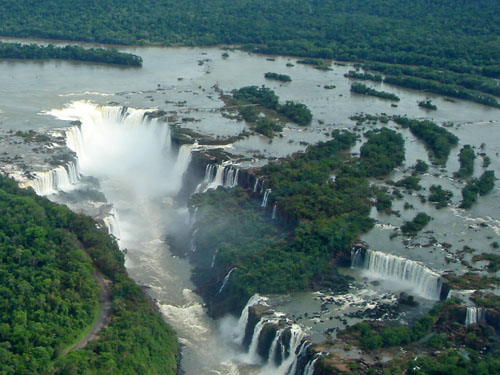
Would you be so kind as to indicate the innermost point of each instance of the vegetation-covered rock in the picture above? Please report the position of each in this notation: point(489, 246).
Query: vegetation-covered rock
point(440, 196)
point(268, 101)
point(466, 158)
point(477, 186)
point(278, 77)
point(417, 224)
point(427, 104)
point(383, 152)
point(360, 88)
point(437, 139)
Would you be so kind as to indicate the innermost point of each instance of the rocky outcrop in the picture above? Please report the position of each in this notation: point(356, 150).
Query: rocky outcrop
point(194, 174)
point(266, 339)
point(445, 289)
point(255, 314)
point(492, 318)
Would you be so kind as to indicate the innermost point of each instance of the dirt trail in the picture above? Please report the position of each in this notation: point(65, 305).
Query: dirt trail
point(104, 315)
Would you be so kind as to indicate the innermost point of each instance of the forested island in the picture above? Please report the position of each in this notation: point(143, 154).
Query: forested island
point(362, 89)
point(278, 77)
point(70, 52)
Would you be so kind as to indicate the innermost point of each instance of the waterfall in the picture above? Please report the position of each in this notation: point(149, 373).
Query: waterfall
point(111, 135)
point(218, 175)
point(209, 173)
point(287, 345)
point(297, 335)
point(104, 120)
point(181, 165)
point(239, 331)
point(74, 140)
point(61, 178)
point(253, 357)
point(405, 272)
point(474, 315)
point(357, 260)
point(301, 352)
point(192, 217)
point(264, 199)
point(212, 264)
point(309, 369)
point(111, 223)
point(273, 216)
point(212, 180)
point(73, 171)
point(225, 281)
point(255, 185)
point(231, 176)
point(274, 346)
point(192, 243)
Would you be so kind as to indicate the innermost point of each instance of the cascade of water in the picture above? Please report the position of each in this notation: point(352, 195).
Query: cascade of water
point(181, 165)
point(74, 140)
point(60, 178)
point(162, 130)
point(230, 176)
point(264, 199)
point(42, 184)
point(422, 280)
point(235, 178)
point(218, 179)
point(273, 216)
point(357, 260)
point(218, 175)
point(309, 369)
point(239, 331)
point(192, 244)
point(111, 223)
point(290, 357)
point(93, 117)
point(225, 281)
point(209, 172)
point(256, 184)
point(73, 171)
point(474, 315)
point(109, 137)
point(274, 347)
point(253, 356)
point(302, 351)
point(212, 264)
point(192, 217)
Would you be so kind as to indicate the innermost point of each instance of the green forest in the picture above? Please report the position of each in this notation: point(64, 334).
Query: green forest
point(49, 296)
point(455, 35)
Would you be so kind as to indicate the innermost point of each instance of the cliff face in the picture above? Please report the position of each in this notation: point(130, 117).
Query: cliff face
point(194, 174)
point(492, 318)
